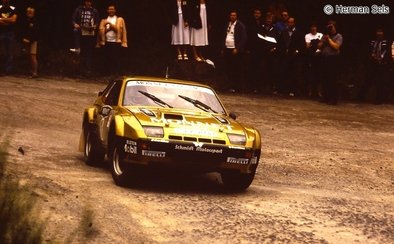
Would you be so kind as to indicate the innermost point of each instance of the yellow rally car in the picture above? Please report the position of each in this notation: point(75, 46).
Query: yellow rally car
point(173, 123)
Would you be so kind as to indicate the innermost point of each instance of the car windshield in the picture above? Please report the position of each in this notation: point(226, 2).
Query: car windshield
point(172, 95)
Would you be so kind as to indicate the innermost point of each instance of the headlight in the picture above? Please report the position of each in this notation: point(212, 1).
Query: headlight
point(237, 139)
point(153, 131)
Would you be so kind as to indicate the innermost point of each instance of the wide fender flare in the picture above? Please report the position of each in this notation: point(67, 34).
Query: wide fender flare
point(118, 126)
point(257, 141)
point(91, 114)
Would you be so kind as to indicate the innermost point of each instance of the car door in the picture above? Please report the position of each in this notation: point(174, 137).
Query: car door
point(108, 110)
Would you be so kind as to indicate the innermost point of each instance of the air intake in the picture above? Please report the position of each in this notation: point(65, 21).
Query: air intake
point(173, 116)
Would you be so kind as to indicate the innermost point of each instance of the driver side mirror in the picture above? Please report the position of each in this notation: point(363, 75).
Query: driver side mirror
point(233, 115)
point(105, 110)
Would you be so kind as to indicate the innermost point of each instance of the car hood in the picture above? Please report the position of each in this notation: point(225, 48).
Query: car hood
point(187, 121)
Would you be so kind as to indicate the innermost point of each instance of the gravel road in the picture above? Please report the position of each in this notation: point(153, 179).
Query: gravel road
point(326, 174)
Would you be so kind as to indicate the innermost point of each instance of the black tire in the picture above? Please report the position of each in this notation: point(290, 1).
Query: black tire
point(119, 169)
point(93, 153)
point(236, 181)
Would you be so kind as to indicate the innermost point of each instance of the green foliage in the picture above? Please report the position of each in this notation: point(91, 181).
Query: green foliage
point(18, 222)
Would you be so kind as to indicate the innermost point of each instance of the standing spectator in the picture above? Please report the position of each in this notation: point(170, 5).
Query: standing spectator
point(313, 56)
point(85, 20)
point(234, 46)
point(255, 50)
point(280, 25)
point(199, 27)
point(330, 45)
point(289, 49)
point(29, 32)
point(269, 53)
point(378, 67)
point(8, 19)
point(112, 37)
point(180, 37)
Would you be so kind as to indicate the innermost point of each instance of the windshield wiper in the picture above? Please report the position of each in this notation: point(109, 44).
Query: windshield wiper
point(155, 99)
point(198, 104)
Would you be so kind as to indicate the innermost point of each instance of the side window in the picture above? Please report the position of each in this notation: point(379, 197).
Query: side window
point(112, 95)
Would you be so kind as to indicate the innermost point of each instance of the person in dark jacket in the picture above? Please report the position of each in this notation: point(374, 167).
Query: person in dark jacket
point(378, 68)
point(268, 39)
point(234, 45)
point(290, 45)
point(85, 21)
point(8, 18)
point(29, 34)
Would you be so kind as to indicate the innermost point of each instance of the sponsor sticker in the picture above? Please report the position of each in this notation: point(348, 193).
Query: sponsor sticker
point(232, 160)
point(198, 148)
point(183, 87)
point(184, 148)
point(209, 150)
point(196, 124)
point(130, 147)
point(253, 160)
point(155, 154)
point(195, 132)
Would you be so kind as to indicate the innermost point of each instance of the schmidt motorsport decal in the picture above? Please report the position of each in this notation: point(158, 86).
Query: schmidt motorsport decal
point(198, 148)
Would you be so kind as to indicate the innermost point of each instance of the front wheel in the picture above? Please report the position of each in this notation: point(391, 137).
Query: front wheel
point(119, 170)
point(236, 181)
point(93, 153)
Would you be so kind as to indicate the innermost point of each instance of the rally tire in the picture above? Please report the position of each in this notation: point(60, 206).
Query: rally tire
point(119, 169)
point(93, 153)
point(236, 181)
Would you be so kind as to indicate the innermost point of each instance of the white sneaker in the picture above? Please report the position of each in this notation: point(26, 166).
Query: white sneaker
point(75, 50)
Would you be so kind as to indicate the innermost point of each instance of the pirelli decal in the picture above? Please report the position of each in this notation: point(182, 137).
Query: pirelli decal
point(232, 160)
point(155, 154)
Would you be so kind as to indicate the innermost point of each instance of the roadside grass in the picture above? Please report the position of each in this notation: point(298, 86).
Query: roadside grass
point(18, 222)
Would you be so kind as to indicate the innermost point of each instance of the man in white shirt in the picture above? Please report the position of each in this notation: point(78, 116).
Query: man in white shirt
point(312, 40)
point(112, 37)
point(234, 46)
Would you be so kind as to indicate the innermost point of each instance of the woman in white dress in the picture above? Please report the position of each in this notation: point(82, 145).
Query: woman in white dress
point(199, 28)
point(180, 37)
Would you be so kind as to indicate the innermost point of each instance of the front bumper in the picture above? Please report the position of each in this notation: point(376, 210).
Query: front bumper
point(190, 155)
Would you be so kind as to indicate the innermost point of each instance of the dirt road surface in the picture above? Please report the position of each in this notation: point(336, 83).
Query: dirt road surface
point(326, 174)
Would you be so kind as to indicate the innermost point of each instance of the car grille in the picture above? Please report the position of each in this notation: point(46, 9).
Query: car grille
point(195, 139)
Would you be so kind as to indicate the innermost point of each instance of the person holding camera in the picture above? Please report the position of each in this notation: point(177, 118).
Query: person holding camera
point(330, 46)
point(85, 19)
point(312, 55)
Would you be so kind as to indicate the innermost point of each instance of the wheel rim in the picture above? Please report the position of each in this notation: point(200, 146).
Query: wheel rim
point(116, 163)
point(88, 145)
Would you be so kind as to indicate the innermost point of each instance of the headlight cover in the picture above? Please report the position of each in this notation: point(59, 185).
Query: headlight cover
point(154, 131)
point(237, 139)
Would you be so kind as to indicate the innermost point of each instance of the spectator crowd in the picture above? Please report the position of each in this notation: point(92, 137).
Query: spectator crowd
point(266, 53)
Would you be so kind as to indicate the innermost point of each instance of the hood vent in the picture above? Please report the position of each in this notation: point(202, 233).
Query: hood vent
point(222, 120)
point(148, 112)
point(173, 116)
